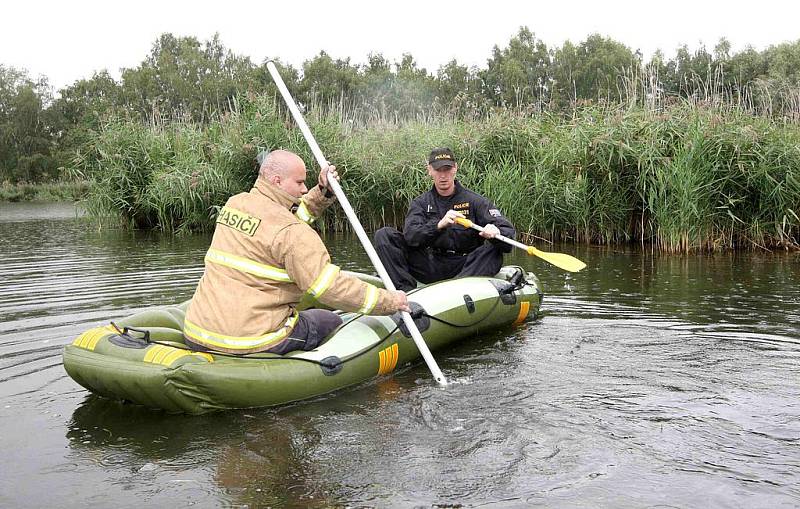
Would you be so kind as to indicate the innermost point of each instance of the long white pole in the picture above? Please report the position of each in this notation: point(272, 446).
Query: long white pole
point(351, 215)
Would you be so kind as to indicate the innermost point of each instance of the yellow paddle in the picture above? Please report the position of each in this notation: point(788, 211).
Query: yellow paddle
point(560, 260)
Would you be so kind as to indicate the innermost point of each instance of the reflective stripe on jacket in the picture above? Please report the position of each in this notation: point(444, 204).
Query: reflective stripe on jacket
point(262, 259)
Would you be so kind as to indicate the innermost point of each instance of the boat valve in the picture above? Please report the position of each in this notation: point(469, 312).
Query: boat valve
point(330, 365)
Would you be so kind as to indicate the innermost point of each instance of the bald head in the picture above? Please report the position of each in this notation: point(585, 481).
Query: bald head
point(285, 170)
point(279, 162)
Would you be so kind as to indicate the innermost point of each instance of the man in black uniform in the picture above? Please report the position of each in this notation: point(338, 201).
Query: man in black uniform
point(432, 246)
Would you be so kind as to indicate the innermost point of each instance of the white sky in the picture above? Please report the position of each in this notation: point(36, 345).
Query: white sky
point(69, 40)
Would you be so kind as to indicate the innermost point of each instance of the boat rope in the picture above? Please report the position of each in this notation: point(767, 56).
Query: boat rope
point(257, 356)
point(517, 283)
point(460, 326)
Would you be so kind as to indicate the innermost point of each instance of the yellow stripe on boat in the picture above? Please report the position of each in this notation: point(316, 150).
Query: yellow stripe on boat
point(394, 357)
point(157, 353)
point(150, 354)
point(174, 356)
point(167, 355)
point(382, 361)
point(523, 312)
point(91, 337)
point(388, 359)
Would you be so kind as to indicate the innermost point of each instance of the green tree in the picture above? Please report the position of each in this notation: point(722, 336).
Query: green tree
point(327, 81)
point(520, 73)
point(783, 62)
point(692, 72)
point(459, 89)
point(25, 141)
point(182, 77)
point(81, 109)
point(376, 84)
point(414, 90)
point(261, 82)
point(746, 67)
point(591, 70)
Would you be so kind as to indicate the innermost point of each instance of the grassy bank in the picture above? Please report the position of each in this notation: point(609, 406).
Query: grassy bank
point(44, 192)
point(683, 178)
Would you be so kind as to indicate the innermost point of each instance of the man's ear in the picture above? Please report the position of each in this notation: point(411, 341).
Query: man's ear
point(275, 180)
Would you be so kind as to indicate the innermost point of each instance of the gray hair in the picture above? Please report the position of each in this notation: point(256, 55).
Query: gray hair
point(276, 162)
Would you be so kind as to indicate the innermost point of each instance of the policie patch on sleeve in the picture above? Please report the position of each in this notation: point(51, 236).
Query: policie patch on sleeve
point(238, 220)
point(495, 213)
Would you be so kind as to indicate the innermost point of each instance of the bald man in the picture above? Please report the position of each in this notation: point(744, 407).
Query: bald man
point(263, 258)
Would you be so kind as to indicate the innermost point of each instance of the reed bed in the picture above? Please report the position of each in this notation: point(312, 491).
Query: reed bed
point(58, 191)
point(677, 178)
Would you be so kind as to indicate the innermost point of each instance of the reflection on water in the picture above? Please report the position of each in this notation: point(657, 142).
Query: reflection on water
point(650, 381)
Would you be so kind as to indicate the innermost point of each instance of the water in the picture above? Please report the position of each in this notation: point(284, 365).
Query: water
point(650, 382)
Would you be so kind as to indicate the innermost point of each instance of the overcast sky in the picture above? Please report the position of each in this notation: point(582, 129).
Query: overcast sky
point(69, 40)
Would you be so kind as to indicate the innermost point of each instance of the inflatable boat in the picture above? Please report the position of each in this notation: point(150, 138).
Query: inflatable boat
point(143, 359)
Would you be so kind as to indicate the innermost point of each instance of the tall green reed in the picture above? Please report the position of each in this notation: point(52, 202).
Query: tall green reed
point(680, 177)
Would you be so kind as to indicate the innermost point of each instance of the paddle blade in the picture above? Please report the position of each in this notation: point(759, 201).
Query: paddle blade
point(560, 260)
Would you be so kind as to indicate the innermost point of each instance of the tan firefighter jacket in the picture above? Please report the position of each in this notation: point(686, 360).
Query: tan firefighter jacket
point(262, 259)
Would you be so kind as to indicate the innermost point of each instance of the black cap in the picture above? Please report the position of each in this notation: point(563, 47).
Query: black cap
point(441, 157)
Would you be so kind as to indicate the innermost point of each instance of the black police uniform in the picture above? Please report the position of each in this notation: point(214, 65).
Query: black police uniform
point(422, 252)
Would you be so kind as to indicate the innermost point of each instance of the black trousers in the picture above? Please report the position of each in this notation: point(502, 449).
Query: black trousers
point(313, 325)
point(407, 265)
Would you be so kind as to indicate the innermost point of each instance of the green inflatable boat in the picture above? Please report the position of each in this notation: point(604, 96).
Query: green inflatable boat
point(142, 358)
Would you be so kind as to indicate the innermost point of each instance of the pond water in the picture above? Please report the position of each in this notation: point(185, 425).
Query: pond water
point(650, 381)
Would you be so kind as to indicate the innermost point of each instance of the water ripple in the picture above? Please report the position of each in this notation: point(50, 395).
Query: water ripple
point(648, 379)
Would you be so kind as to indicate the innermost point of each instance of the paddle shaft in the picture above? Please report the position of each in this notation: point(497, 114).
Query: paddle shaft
point(498, 236)
point(356, 224)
